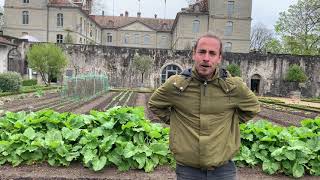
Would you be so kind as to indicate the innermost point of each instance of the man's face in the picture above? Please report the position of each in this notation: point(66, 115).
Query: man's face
point(207, 56)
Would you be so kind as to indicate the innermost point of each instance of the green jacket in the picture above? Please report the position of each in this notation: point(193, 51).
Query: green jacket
point(204, 117)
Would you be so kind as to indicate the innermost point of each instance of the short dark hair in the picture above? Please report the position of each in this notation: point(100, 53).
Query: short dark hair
point(208, 35)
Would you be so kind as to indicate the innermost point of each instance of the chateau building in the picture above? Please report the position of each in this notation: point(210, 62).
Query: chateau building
point(70, 21)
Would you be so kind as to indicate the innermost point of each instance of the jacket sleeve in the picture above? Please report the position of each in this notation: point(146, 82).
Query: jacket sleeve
point(159, 103)
point(248, 105)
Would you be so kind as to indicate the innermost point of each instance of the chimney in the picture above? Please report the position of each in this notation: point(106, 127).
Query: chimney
point(102, 13)
point(138, 14)
point(155, 16)
point(121, 14)
point(126, 13)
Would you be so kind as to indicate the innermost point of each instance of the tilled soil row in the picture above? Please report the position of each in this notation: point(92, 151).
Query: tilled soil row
point(36, 105)
point(302, 113)
point(96, 104)
point(30, 100)
point(282, 118)
point(77, 171)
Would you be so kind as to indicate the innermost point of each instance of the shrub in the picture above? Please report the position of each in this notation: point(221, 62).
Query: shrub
point(296, 74)
point(10, 82)
point(29, 82)
point(234, 70)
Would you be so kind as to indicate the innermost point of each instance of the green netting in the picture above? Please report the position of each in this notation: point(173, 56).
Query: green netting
point(85, 86)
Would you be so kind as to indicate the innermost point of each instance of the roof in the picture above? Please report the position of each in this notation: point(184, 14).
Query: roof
point(64, 3)
point(115, 22)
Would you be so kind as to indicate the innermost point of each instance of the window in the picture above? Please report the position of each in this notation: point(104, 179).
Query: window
point(196, 26)
point(96, 34)
point(85, 26)
point(230, 8)
point(163, 41)
point(80, 41)
point(24, 33)
point(169, 71)
point(146, 39)
point(80, 25)
point(91, 30)
point(126, 38)
point(25, 1)
point(109, 38)
point(227, 47)
point(25, 17)
point(229, 28)
point(60, 20)
point(136, 38)
point(59, 38)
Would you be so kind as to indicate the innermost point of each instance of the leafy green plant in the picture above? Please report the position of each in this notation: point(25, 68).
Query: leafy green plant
point(292, 150)
point(10, 82)
point(119, 136)
point(296, 74)
point(234, 70)
point(29, 82)
point(39, 93)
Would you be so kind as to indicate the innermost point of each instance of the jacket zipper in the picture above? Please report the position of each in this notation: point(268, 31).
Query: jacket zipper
point(205, 88)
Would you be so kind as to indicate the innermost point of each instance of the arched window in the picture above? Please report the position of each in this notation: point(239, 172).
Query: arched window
point(230, 8)
point(25, 17)
point(126, 38)
point(60, 20)
point(169, 71)
point(227, 47)
point(196, 26)
point(109, 38)
point(229, 28)
point(146, 39)
point(59, 38)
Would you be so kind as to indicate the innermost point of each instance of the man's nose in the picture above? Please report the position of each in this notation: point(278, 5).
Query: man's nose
point(206, 57)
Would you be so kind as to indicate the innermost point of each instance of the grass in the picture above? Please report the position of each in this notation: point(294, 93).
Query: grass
point(29, 89)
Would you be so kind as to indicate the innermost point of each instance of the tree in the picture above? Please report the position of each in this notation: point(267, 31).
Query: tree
point(299, 28)
point(234, 70)
point(68, 39)
point(142, 64)
point(274, 46)
point(259, 37)
point(296, 74)
point(47, 59)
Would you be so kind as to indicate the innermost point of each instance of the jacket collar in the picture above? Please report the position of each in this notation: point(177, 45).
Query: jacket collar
point(226, 85)
point(197, 76)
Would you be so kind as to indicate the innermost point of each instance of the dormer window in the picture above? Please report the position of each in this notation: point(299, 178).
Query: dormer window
point(25, 1)
point(196, 8)
point(111, 23)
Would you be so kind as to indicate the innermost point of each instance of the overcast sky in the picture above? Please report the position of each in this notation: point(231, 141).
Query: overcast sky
point(263, 11)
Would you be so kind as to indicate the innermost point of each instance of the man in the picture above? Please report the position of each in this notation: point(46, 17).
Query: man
point(204, 106)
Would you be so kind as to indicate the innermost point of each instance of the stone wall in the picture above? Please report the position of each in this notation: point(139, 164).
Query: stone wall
point(270, 69)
